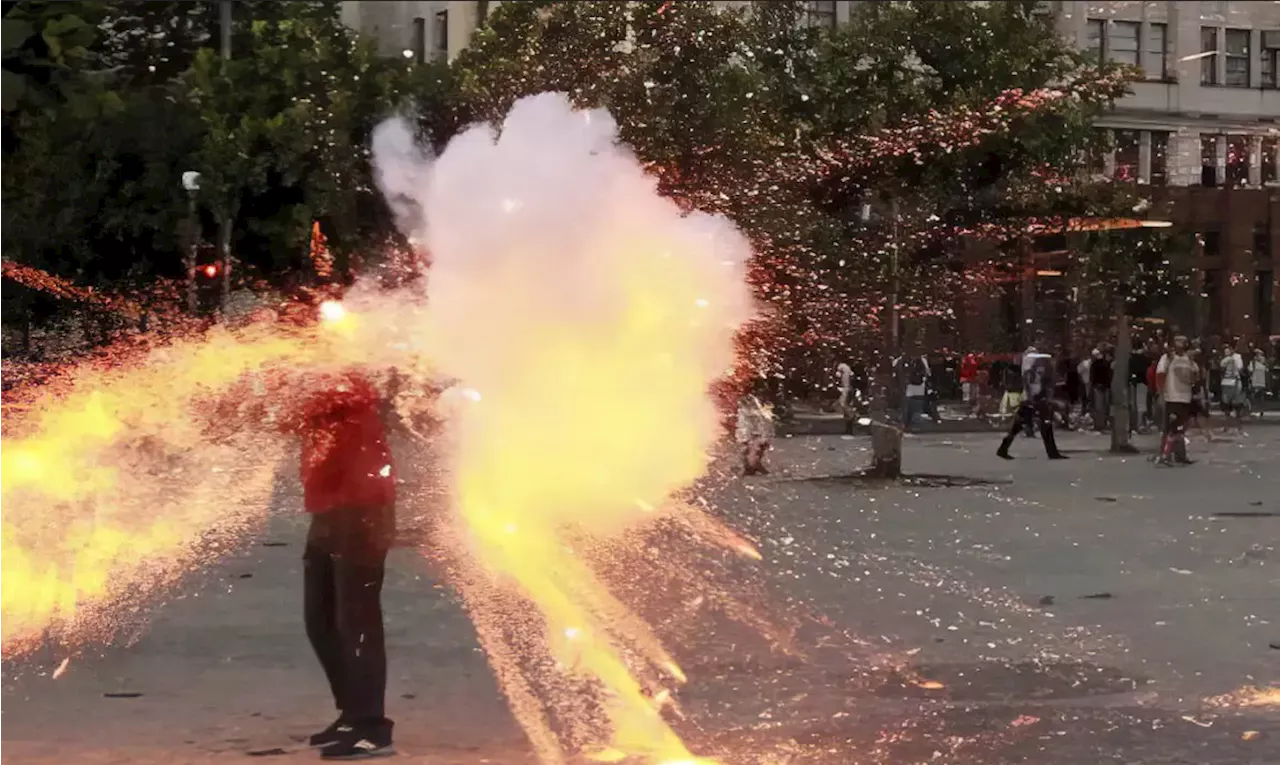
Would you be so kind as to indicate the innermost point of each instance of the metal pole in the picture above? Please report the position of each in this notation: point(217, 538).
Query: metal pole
point(224, 227)
point(193, 248)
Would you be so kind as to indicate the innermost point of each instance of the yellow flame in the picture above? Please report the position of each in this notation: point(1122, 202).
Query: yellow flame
point(579, 419)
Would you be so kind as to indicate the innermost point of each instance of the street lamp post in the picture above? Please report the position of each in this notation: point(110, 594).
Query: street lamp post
point(191, 183)
point(224, 225)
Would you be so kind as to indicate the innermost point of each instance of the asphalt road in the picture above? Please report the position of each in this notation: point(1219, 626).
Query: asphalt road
point(1098, 609)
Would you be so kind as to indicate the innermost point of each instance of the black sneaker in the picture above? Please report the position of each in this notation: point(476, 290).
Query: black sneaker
point(337, 731)
point(365, 747)
point(366, 742)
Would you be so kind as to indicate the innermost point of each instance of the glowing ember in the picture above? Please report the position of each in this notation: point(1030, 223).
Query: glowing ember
point(594, 317)
point(332, 311)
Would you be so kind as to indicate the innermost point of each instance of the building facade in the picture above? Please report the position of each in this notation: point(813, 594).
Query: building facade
point(1201, 131)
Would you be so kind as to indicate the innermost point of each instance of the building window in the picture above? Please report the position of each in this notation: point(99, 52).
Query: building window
point(1261, 241)
point(1238, 160)
point(1157, 45)
point(1209, 160)
point(1159, 157)
point(1270, 59)
point(1095, 157)
point(1116, 41)
point(1237, 58)
point(1265, 291)
point(1270, 158)
point(419, 45)
point(440, 34)
point(818, 13)
point(1208, 55)
point(1210, 243)
point(1213, 291)
point(1097, 29)
point(1127, 155)
point(1122, 42)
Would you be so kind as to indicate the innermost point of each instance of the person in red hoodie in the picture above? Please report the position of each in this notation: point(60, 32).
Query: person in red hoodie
point(348, 487)
point(969, 366)
point(349, 491)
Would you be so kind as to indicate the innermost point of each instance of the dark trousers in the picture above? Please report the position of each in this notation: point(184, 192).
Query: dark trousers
point(343, 565)
point(1032, 410)
point(1174, 443)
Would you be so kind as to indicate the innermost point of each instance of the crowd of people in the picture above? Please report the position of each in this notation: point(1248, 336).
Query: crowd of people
point(1074, 391)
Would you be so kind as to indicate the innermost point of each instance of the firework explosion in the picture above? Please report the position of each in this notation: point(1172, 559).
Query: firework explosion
point(588, 319)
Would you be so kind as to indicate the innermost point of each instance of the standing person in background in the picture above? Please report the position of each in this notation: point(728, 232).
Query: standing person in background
point(1232, 393)
point(1086, 391)
point(1258, 381)
point(1100, 388)
point(1179, 383)
point(1139, 413)
point(969, 387)
point(755, 429)
point(844, 383)
point(916, 373)
point(1038, 382)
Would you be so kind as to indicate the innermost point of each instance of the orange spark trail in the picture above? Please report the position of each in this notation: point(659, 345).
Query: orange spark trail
point(112, 490)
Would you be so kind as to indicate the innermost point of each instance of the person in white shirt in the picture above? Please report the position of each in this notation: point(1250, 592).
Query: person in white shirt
point(1232, 366)
point(844, 375)
point(1258, 381)
point(755, 429)
point(1180, 378)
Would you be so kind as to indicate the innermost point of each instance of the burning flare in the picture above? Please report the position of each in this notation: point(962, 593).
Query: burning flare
point(587, 317)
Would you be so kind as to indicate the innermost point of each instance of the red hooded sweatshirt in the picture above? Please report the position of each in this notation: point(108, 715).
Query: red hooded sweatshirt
point(346, 462)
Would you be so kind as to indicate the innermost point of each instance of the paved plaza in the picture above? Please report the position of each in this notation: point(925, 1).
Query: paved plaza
point(1097, 609)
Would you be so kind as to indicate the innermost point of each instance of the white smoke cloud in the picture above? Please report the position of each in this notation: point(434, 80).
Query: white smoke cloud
point(584, 318)
point(401, 170)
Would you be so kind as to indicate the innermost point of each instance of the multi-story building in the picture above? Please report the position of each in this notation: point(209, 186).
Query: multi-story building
point(441, 29)
point(1200, 132)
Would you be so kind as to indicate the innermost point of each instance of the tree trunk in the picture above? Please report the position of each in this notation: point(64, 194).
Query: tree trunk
point(886, 438)
point(26, 335)
point(1120, 383)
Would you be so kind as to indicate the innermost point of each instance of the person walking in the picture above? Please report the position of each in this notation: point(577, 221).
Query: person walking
point(1179, 383)
point(1035, 406)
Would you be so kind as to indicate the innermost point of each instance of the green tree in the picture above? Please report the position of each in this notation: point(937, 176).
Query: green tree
point(285, 127)
point(47, 52)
